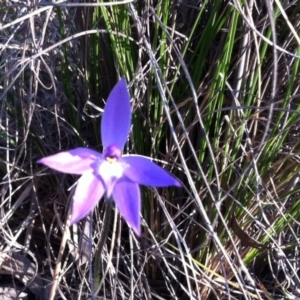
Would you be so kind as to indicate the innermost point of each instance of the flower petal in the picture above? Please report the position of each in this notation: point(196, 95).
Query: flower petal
point(88, 192)
point(142, 170)
point(127, 197)
point(116, 118)
point(76, 161)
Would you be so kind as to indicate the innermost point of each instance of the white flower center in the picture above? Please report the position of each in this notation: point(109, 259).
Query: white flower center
point(109, 170)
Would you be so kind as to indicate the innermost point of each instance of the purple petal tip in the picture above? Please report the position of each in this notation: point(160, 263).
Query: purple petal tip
point(116, 118)
point(178, 183)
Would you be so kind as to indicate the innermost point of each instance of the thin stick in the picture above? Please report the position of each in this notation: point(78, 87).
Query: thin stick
point(97, 265)
point(62, 247)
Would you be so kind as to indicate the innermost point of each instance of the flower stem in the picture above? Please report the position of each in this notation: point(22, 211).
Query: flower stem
point(98, 252)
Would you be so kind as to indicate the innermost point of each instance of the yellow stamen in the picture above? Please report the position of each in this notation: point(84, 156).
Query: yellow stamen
point(111, 159)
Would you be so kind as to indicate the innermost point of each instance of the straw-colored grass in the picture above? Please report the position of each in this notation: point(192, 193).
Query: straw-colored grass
point(215, 95)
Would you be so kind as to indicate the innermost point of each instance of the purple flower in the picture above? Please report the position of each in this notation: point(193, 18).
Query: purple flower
point(111, 174)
